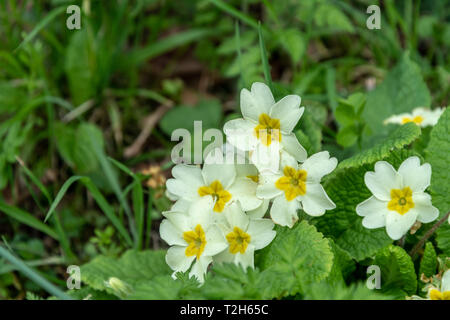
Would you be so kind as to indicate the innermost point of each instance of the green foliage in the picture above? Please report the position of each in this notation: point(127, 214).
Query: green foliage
point(347, 189)
point(356, 291)
point(207, 111)
point(401, 137)
point(402, 90)
point(437, 155)
point(132, 268)
point(443, 239)
point(348, 115)
point(298, 256)
point(398, 276)
point(428, 263)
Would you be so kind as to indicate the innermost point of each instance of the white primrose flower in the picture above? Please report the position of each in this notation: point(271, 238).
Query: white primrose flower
point(297, 187)
point(193, 236)
point(444, 292)
point(244, 235)
point(423, 117)
point(266, 127)
point(190, 183)
point(399, 198)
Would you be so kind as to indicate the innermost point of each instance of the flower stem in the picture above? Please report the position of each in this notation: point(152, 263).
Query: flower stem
point(427, 235)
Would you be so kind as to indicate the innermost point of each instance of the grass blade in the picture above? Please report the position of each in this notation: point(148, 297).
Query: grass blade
point(27, 219)
point(235, 13)
point(98, 197)
point(167, 44)
point(52, 15)
point(264, 59)
point(33, 275)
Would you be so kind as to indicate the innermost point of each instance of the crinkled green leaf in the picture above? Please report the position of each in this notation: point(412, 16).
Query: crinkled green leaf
point(401, 137)
point(437, 154)
point(397, 271)
point(428, 263)
point(443, 238)
point(298, 256)
point(132, 267)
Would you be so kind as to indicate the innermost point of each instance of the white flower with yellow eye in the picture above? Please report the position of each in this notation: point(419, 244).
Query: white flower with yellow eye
point(244, 235)
point(423, 117)
point(193, 236)
point(266, 127)
point(399, 198)
point(297, 187)
point(190, 183)
point(444, 292)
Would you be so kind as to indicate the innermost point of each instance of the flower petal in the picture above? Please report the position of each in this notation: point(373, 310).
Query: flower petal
point(316, 201)
point(244, 191)
point(268, 190)
point(266, 159)
point(284, 212)
point(260, 211)
point(215, 241)
point(426, 212)
point(374, 212)
point(382, 180)
point(292, 146)
point(261, 233)
point(177, 259)
point(200, 212)
point(236, 217)
point(240, 134)
point(247, 259)
point(288, 112)
point(225, 173)
point(414, 175)
point(318, 165)
point(397, 225)
point(200, 267)
point(171, 234)
point(257, 101)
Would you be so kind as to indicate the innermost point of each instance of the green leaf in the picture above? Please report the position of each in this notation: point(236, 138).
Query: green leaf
point(27, 219)
point(132, 267)
point(207, 111)
point(48, 18)
point(437, 155)
point(264, 58)
point(293, 42)
point(331, 16)
point(401, 137)
point(402, 90)
point(297, 256)
point(347, 136)
point(428, 263)
point(443, 238)
point(397, 271)
point(80, 67)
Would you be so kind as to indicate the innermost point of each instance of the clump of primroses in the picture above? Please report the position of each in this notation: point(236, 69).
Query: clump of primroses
point(220, 208)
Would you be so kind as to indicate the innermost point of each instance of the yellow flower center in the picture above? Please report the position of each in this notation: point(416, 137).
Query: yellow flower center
point(401, 200)
point(416, 119)
point(238, 240)
point(196, 241)
point(268, 129)
point(255, 178)
point(437, 295)
point(219, 194)
point(293, 183)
